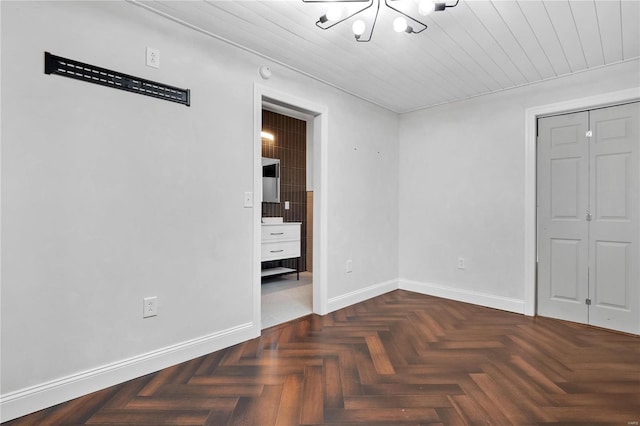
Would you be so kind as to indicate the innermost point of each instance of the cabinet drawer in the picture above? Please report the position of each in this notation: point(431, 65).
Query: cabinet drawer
point(280, 250)
point(281, 232)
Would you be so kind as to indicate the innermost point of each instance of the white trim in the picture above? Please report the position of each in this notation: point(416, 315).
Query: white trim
point(319, 114)
point(257, 206)
point(279, 109)
point(461, 295)
point(361, 295)
point(34, 398)
point(531, 115)
point(321, 211)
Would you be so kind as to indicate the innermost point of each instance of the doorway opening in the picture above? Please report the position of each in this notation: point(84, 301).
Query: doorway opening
point(289, 227)
point(287, 215)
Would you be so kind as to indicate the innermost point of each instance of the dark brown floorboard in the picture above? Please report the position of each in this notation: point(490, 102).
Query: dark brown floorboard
point(400, 358)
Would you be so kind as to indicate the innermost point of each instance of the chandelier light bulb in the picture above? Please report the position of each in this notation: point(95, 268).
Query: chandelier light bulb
point(400, 24)
point(406, 15)
point(425, 7)
point(358, 27)
point(334, 13)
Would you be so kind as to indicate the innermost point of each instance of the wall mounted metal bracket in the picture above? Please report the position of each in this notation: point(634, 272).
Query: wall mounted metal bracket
point(92, 74)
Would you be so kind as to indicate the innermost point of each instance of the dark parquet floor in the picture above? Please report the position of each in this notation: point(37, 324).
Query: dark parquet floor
point(401, 358)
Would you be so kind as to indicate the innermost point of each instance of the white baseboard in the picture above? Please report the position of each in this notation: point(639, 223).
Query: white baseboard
point(361, 295)
point(35, 398)
point(467, 296)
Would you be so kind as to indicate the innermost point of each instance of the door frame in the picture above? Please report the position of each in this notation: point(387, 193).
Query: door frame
point(320, 114)
point(530, 170)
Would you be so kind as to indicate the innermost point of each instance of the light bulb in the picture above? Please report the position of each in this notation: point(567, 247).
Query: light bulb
point(400, 24)
point(334, 12)
point(358, 27)
point(425, 7)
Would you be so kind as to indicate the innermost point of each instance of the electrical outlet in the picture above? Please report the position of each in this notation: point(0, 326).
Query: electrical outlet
point(150, 307)
point(287, 205)
point(349, 266)
point(461, 263)
point(153, 57)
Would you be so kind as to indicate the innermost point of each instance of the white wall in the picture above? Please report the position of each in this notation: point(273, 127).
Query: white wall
point(108, 197)
point(363, 201)
point(462, 178)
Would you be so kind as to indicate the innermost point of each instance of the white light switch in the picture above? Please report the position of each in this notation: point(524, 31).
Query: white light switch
point(286, 205)
point(248, 199)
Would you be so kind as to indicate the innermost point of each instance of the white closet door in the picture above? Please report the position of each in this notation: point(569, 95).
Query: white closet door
point(614, 280)
point(563, 177)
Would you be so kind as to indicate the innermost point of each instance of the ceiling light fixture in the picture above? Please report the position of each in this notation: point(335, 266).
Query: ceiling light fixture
point(338, 12)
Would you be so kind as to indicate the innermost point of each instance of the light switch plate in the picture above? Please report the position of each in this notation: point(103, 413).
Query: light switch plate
point(248, 199)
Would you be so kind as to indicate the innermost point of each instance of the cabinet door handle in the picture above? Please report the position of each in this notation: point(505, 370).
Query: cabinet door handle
point(276, 251)
point(277, 233)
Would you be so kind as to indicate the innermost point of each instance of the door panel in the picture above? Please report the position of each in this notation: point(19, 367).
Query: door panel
point(612, 269)
point(612, 191)
point(562, 202)
point(615, 230)
point(589, 217)
point(565, 188)
point(565, 266)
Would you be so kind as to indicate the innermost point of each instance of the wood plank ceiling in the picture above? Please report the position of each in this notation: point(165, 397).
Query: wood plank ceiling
point(478, 47)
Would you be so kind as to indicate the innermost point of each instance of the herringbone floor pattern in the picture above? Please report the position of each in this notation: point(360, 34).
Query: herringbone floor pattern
point(401, 358)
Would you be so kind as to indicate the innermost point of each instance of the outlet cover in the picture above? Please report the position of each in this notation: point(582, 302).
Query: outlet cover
point(461, 263)
point(153, 57)
point(349, 266)
point(150, 307)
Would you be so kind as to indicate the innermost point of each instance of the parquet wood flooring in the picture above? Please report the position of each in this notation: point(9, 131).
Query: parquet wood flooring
point(400, 358)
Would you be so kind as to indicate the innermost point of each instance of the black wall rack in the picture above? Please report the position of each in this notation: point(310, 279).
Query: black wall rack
point(91, 74)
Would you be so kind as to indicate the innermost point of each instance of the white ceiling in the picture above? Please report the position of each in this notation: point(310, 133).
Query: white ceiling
point(476, 48)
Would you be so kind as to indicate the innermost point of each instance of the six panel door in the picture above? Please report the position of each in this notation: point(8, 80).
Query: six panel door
point(563, 232)
point(614, 195)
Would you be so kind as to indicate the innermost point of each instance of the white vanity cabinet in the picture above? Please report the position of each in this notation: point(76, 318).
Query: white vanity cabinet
point(280, 241)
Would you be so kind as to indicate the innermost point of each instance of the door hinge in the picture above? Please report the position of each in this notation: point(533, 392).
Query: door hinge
point(589, 133)
point(588, 301)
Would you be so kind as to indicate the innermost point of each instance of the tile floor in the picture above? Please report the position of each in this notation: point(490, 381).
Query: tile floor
point(285, 298)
